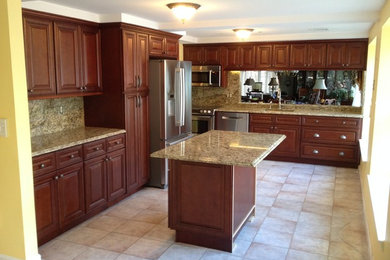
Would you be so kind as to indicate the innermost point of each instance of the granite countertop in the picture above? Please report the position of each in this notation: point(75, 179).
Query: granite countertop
point(52, 142)
point(308, 110)
point(223, 147)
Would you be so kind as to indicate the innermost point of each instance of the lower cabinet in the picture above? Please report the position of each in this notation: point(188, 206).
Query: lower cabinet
point(69, 190)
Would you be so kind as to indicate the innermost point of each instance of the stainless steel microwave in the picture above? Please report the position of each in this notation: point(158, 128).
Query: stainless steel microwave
point(206, 76)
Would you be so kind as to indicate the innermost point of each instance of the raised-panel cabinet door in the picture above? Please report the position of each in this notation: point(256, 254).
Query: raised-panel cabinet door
point(116, 174)
point(281, 56)
point(335, 56)
point(172, 47)
point(264, 56)
point(143, 139)
point(232, 57)
point(95, 182)
point(71, 194)
point(46, 207)
point(290, 146)
point(258, 128)
point(212, 55)
point(67, 50)
point(156, 45)
point(131, 106)
point(356, 55)
point(316, 55)
point(298, 56)
point(143, 61)
point(39, 53)
point(129, 60)
point(194, 54)
point(91, 60)
point(247, 57)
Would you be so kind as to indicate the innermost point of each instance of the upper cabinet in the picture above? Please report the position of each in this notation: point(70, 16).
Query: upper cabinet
point(62, 56)
point(281, 56)
point(347, 55)
point(308, 56)
point(203, 55)
point(164, 46)
point(238, 57)
point(264, 56)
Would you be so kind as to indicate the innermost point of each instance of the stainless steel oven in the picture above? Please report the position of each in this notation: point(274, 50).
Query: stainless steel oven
point(202, 120)
point(206, 76)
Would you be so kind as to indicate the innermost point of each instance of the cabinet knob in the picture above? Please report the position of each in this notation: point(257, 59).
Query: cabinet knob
point(71, 156)
point(117, 142)
point(343, 137)
point(106, 159)
point(30, 90)
point(85, 88)
point(316, 135)
point(316, 121)
point(97, 148)
point(344, 122)
point(341, 153)
point(275, 128)
point(81, 88)
point(56, 178)
point(42, 166)
point(316, 152)
point(61, 176)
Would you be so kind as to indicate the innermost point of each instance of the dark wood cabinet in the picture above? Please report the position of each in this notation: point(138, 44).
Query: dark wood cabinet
point(62, 56)
point(237, 57)
point(279, 124)
point(116, 174)
point(347, 55)
point(203, 55)
point(142, 62)
point(161, 46)
point(308, 56)
point(39, 54)
point(194, 54)
point(212, 55)
point(95, 182)
point(264, 56)
point(90, 59)
point(281, 56)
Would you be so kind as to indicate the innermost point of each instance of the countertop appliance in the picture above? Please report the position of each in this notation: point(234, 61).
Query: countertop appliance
point(206, 76)
point(202, 119)
point(170, 111)
point(231, 121)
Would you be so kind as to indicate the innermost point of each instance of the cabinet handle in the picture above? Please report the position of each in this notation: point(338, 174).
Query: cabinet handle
point(97, 148)
point(316, 152)
point(106, 159)
point(61, 176)
point(71, 156)
point(42, 166)
point(316, 135)
point(85, 88)
point(341, 153)
point(81, 88)
point(140, 81)
point(56, 178)
point(110, 158)
point(343, 137)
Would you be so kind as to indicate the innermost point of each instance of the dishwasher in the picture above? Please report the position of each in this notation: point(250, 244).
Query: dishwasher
point(231, 121)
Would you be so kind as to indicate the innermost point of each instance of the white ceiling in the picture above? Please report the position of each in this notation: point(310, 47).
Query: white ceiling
point(215, 19)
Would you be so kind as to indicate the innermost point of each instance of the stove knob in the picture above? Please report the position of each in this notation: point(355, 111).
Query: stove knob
point(201, 111)
point(209, 111)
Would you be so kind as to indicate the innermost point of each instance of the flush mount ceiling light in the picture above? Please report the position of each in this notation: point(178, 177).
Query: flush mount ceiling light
point(182, 10)
point(243, 33)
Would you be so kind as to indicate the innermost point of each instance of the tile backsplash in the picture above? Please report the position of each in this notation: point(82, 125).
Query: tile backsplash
point(216, 97)
point(53, 115)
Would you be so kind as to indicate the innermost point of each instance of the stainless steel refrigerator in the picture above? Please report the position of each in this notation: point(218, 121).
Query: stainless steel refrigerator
point(170, 111)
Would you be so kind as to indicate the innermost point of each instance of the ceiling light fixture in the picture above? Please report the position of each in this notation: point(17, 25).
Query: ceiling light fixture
point(182, 10)
point(243, 33)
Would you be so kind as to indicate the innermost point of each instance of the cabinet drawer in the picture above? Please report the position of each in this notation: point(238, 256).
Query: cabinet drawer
point(329, 153)
point(330, 136)
point(115, 142)
point(338, 122)
point(95, 148)
point(287, 120)
point(44, 163)
point(69, 156)
point(261, 118)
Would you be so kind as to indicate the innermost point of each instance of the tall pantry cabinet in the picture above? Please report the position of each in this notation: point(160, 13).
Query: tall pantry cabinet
point(124, 104)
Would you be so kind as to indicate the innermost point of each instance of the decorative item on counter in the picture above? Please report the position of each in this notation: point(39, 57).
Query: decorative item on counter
point(249, 82)
point(273, 84)
point(319, 86)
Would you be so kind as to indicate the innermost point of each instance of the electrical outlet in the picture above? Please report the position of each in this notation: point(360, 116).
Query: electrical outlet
point(3, 127)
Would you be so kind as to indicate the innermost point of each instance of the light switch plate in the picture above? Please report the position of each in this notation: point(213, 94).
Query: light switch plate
point(3, 127)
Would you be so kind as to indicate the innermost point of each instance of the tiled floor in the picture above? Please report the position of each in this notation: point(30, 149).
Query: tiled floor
point(303, 212)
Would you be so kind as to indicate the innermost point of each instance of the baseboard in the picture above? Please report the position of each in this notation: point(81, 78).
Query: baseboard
point(32, 257)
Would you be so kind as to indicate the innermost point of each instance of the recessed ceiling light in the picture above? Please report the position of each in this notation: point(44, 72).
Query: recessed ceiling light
point(182, 10)
point(243, 33)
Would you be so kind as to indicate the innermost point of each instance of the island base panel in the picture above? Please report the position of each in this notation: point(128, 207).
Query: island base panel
point(209, 203)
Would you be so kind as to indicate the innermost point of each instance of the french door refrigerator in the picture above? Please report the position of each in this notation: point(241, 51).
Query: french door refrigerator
point(169, 111)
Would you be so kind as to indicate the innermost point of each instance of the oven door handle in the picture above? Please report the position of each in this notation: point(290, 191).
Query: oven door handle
point(201, 117)
point(231, 117)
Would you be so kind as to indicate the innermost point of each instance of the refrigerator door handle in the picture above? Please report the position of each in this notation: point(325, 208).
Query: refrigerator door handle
point(179, 97)
point(183, 96)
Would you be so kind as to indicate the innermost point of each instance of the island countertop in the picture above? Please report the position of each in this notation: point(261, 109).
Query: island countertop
point(223, 147)
point(56, 141)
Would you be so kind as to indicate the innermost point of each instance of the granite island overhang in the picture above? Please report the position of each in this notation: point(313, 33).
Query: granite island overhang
point(212, 185)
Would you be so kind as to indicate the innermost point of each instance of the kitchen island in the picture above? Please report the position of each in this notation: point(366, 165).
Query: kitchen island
point(212, 185)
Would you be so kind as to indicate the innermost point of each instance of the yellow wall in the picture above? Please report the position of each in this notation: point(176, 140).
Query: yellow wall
point(17, 214)
point(376, 163)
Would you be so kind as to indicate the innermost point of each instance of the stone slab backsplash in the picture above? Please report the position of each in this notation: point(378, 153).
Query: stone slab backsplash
point(216, 97)
point(54, 115)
